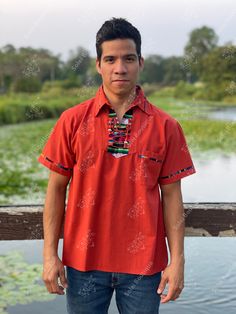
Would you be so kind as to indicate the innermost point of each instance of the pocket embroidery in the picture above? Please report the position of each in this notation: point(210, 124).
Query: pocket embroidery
point(150, 162)
point(151, 158)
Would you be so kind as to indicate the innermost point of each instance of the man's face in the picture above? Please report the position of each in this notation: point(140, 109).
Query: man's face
point(119, 66)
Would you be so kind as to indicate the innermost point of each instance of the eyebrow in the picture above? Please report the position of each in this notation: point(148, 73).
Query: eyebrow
point(128, 55)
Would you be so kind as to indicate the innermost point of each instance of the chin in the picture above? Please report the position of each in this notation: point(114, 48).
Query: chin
point(124, 88)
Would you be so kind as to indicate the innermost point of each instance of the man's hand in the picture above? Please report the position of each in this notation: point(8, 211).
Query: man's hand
point(53, 269)
point(174, 276)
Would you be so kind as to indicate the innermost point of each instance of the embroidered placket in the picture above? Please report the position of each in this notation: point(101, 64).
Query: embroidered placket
point(119, 133)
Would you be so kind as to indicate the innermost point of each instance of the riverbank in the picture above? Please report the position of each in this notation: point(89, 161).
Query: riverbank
point(24, 107)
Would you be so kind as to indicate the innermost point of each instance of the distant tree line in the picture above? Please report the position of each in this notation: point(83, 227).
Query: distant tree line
point(26, 69)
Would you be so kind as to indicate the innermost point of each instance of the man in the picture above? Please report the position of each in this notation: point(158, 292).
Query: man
point(118, 150)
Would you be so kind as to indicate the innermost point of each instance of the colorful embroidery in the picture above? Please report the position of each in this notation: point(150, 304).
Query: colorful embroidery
point(177, 172)
point(119, 133)
point(151, 158)
point(58, 165)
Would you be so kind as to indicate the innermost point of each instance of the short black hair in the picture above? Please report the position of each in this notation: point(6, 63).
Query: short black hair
point(117, 28)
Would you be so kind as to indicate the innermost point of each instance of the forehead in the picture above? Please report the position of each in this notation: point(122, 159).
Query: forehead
point(118, 47)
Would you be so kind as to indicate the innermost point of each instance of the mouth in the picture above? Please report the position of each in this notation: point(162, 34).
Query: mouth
point(120, 81)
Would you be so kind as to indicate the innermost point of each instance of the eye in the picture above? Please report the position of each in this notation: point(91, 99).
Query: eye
point(130, 59)
point(109, 60)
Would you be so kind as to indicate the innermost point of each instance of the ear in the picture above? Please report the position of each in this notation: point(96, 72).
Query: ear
point(141, 63)
point(98, 66)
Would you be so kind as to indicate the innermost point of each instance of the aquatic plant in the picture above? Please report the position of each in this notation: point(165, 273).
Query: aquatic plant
point(20, 282)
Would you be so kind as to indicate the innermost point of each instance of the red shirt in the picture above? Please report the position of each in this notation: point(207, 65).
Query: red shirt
point(114, 218)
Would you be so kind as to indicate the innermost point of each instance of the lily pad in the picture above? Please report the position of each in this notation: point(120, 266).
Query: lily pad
point(20, 282)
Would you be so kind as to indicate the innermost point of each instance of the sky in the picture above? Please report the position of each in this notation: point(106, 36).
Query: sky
point(61, 26)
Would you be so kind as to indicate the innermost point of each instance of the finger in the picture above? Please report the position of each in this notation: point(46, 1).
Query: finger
point(50, 286)
point(169, 296)
point(162, 285)
point(62, 278)
point(51, 283)
point(55, 286)
point(177, 294)
point(47, 283)
point(175, 297)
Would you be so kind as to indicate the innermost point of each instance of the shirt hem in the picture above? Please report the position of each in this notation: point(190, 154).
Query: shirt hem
point(117, 270)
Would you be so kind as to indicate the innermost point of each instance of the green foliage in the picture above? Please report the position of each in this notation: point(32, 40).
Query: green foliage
point(49, 85)
point(71, 82)
point(27, 85)
point(219, 67)
point(18, 179)
point(184, 90)
point(19, 282)
point(209, 135)
point(153, 70)
point(26, 69)
point(203, 135)
point(173, 72)
point(218, 73)
point(149, 89)
point(50, 103)
point(79, 60)
point(201, 41)
point(162, 71)
point(212, 92)
point(92, 75)
point(201, 91)
point(230, 100)
point(166, 92)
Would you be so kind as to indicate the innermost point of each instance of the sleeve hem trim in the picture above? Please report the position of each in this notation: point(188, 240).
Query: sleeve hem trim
point(53, 166)
point(177, 175)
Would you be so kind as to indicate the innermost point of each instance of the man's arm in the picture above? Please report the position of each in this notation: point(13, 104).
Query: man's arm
point(53, 215)
point(173, 212)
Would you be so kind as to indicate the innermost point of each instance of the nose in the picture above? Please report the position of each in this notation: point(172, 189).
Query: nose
point(120, 67)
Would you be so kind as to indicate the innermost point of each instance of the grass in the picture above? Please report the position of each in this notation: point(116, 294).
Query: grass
point(202, 135)
point(209, 135)
point(23, 107)
point(21, 174)
point(182, 93)
point(182, 109)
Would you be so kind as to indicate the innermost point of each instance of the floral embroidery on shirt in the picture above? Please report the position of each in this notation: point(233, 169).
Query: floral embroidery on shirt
point(87, 241)
point(137, 209)
point(137, 244)
point(87, 200)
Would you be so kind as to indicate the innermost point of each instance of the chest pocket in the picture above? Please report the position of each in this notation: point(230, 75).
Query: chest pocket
point(148, 167)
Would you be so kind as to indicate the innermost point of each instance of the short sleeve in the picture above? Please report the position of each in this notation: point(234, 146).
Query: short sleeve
point(177, 163)
point(57, 154)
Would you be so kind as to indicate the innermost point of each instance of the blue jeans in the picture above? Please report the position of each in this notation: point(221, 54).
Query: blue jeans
point(90, 292)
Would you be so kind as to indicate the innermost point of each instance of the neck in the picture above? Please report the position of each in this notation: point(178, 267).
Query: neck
point(120, 101)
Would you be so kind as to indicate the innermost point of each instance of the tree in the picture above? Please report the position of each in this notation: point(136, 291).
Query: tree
point(219, 65)
point(201, 41)
point(218, 72)
point(173, 73)
point(153, 70)
point(77, 65)
point(27, 66)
